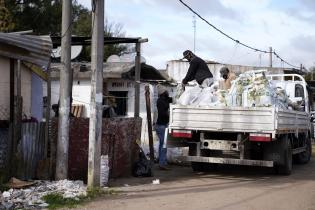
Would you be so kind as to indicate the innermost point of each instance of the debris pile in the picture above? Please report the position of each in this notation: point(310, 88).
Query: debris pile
point(250, 89)
point(31, 198)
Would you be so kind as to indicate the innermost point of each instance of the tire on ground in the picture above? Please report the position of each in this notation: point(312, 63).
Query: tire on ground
point(304, 157)
point(280, 151)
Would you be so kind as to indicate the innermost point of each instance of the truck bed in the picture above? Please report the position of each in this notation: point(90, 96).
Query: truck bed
point(238, 119)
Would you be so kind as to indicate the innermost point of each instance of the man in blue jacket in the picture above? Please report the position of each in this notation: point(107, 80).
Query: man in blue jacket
point(198, 70)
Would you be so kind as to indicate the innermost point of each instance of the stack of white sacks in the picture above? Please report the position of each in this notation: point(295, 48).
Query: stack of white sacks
point(250, 89)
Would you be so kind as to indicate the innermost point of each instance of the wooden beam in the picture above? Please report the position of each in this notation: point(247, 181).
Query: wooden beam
point(37, 70)
point(148, 106)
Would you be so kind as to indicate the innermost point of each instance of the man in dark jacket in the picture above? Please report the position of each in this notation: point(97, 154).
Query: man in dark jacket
point(198, 70)
point(163, 105)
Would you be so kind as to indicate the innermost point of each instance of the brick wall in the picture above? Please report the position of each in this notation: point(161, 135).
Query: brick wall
point(118, 142)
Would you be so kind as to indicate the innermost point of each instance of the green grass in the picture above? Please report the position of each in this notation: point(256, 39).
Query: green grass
point(56, 200)
point(3, 188)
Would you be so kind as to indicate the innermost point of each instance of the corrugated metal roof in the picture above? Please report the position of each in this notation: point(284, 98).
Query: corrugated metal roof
point(86, 40)
point(112, 70)
point(29, 48)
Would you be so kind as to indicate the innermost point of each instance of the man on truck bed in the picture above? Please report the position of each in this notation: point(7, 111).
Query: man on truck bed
point(228, 76)
point(198, 70)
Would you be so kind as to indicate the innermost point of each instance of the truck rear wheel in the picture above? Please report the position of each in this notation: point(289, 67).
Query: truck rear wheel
point(280, 152)
point(304, 157)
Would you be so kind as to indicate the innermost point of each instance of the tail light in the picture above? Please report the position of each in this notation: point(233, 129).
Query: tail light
point(181, 133)
point(259, 137)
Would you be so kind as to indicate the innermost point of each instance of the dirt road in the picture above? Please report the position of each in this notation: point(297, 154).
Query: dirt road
point(226, 188)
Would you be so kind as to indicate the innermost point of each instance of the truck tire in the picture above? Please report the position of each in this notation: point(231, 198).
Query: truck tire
point(285, 167)
point(304, 157)
point(280, 152)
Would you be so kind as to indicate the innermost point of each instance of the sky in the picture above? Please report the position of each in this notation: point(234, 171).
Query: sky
point(285, 25)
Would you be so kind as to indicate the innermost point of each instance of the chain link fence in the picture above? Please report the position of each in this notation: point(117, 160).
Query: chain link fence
point(4, 112)
point(4, 136)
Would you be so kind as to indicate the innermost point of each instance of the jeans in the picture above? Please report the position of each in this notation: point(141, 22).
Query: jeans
point(160, 131)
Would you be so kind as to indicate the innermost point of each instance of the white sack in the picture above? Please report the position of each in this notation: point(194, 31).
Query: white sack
point(189, 96)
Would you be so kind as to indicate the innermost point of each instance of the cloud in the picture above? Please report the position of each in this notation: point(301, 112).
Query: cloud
point(304, 43)
point(286, 25)
point(308, 4)
point(301, 15)
point(213, 8)
point(303, 11)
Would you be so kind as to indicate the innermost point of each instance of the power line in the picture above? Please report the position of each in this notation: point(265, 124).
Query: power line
point(220, 31)
point(231, 38)
point(284, 61)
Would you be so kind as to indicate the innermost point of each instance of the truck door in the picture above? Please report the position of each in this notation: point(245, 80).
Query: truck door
point(299, 92)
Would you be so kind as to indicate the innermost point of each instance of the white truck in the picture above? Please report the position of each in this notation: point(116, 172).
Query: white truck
point(255, 136)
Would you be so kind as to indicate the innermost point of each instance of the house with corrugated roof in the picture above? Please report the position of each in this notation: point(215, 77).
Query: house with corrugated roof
point(27, 56)
point(118, 84)
point(24, 60)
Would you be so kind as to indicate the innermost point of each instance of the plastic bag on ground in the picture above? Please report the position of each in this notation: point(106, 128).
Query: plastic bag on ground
point(104, 171)
point(143, 167)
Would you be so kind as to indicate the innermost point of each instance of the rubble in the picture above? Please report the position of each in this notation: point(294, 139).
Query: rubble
point(250, 89)
point(31, 198)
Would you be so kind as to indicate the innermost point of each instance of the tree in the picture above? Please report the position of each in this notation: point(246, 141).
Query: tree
point(44, 17)
point(311, 75)
point(6, 23)
point(82, 27)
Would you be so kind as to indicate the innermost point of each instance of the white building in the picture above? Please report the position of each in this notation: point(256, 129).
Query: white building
point(118, 82)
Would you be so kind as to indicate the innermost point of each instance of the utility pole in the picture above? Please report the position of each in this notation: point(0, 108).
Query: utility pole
point(137, 79)
point(195, 27)
point(97, 57)
point(64, 100)
point(13, 129)
point(138, 76)
point(270, 57)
